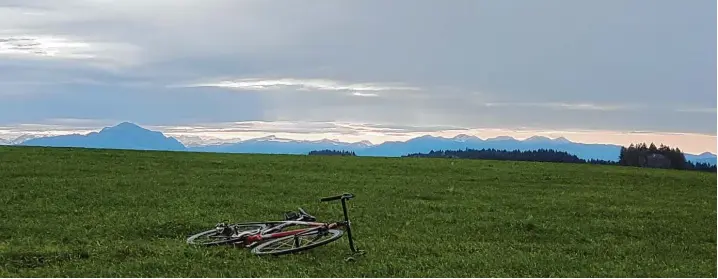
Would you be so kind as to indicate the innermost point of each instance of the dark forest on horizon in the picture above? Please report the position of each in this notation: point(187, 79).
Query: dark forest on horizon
point(636, 155)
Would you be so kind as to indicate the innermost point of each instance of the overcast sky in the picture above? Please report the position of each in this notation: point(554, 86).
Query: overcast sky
point(608, 65)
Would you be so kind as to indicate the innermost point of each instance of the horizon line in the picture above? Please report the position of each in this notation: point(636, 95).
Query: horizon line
point(233, 132)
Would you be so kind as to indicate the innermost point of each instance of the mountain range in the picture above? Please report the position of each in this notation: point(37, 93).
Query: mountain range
point(131, 136)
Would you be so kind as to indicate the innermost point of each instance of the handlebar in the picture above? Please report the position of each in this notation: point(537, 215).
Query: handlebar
point(345, 196)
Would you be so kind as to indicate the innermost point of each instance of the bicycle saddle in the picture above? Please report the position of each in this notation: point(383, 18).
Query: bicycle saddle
point(306, 216)
point(301, 216)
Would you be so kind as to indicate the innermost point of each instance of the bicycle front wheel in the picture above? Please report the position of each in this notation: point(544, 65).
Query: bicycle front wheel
point(300, 242)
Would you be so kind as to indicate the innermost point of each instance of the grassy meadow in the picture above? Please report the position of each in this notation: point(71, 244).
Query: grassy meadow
point(112, 213)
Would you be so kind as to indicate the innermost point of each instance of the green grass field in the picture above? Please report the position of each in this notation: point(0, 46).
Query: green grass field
point(100, 213)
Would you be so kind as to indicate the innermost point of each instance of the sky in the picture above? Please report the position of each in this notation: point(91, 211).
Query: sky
point(609, 71)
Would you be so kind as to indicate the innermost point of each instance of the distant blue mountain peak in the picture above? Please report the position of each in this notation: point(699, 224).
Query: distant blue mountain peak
point(125, 135)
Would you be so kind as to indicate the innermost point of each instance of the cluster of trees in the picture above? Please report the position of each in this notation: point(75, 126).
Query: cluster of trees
point(540, 155)
point(638, 155)
point(642, 155)
point(332, 152)
point(701, 166)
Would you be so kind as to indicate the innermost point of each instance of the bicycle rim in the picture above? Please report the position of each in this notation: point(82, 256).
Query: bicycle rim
point(288, 244)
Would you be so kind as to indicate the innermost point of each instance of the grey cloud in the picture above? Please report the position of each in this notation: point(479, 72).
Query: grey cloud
point(555, 64)
point(148, 105)
point(264, 84)
point(697, 110)
point(45, 47)
point(566, 106)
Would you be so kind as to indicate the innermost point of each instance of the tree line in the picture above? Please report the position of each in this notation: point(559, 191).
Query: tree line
point(642, 155)
point(539, 155)
point(332, 152)
point(637, 155)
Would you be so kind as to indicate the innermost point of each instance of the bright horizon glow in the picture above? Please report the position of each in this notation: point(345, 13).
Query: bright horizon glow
point(691, 143)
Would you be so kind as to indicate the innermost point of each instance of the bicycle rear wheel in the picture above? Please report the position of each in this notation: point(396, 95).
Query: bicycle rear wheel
point(300, 242)
point(218, 237)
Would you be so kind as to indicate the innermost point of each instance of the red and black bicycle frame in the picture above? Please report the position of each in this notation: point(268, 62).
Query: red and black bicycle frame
point(268, 234)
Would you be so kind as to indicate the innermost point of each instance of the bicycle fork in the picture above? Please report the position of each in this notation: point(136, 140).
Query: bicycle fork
point(349, 230)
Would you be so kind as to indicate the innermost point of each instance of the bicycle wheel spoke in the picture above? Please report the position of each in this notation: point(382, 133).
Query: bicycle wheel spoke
point(297, 243)
point(315, 239)
point(280, 245)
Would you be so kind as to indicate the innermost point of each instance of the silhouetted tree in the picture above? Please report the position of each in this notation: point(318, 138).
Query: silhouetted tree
point(639, 155)
point(653, 148)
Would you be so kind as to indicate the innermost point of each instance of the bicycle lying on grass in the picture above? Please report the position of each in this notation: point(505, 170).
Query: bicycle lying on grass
point(273, 238)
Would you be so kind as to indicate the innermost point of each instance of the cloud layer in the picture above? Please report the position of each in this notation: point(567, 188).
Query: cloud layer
point(258, 84)
point(44, 46)
point(549, 65)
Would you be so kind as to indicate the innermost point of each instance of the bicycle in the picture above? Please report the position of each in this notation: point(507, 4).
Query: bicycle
point(268, 238)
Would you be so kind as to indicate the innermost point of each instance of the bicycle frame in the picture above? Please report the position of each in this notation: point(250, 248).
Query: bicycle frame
point(252, 239)
point(268, 234)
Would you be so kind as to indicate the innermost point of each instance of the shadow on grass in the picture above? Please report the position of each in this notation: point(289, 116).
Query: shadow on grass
point(40, 259)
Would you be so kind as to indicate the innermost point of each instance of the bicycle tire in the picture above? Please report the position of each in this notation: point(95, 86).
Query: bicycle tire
point(223, 240)
point(334, 235)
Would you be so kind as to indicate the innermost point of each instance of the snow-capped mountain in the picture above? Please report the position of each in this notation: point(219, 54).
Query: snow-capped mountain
point(196, 141)
point(276, 145)
point(18, 140)
point(130, 136)
point(465, 138)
